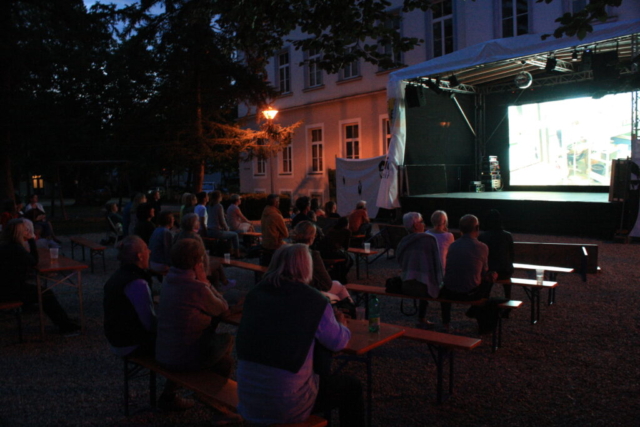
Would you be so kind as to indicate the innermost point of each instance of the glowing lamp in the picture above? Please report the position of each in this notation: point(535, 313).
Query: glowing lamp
point(270, 113)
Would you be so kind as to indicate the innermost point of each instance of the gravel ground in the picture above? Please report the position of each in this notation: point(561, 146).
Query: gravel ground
point(577, 366)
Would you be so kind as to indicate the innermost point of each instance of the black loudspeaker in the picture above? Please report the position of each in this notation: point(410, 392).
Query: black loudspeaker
point(414, 96)
point(605, 66)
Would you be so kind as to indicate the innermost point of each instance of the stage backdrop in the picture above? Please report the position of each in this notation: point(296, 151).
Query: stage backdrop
point(358, 180)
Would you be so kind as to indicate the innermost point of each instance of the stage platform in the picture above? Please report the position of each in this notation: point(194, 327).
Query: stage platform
point(535, 212)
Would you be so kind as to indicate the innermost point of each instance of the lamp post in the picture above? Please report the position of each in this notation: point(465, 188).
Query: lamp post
point(269, 114)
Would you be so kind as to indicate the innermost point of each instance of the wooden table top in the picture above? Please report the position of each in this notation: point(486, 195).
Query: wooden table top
point(361, 251)
point(240, 264)
point(363, 341)
point(527, 282)
point(47, 265)
point(544, 267)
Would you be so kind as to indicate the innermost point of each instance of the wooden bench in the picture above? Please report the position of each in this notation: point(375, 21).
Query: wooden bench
point(441, 346)
point(258, 270)
point(550, 271)
point(497, 334)
point(15, 308)
point(532, 288)
point(582, 257)
point(212, 389)
point(95, 249)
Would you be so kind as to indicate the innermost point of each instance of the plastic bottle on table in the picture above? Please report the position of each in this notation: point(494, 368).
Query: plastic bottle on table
point(374, 314)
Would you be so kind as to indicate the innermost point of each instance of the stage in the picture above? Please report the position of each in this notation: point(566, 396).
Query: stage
point(535, 212)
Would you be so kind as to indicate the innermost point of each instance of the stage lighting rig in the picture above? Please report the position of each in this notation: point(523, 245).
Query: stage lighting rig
point(551, 63)
point(433, 86)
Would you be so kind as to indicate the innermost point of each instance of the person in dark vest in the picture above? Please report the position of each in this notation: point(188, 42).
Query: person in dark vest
point(285, 324)
point(129, 317)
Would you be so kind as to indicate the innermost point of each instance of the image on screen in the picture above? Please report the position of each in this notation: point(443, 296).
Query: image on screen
point(568, 142)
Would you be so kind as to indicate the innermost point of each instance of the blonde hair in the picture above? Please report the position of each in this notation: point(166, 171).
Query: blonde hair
point(291, 263)
point(304, 232)
point(439, 218)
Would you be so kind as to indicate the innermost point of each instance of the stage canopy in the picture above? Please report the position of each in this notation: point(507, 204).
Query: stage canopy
point(492, 66)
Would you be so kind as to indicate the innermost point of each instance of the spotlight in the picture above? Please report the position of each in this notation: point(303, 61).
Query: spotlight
point(453, 81)
point(434, 87)
point(574, 55)
point(551, 64)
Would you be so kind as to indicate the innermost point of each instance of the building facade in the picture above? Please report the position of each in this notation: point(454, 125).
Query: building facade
point(345, 114)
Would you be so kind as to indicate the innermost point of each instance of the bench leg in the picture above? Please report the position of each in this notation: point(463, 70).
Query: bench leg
point(553, 276)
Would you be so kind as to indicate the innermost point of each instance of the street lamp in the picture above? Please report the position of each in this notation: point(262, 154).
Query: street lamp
point(270, 113)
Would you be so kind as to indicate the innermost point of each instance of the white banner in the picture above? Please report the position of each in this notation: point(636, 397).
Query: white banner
point(358, 180)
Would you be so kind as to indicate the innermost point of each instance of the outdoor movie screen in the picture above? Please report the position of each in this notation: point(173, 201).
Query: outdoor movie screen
point(568, 142)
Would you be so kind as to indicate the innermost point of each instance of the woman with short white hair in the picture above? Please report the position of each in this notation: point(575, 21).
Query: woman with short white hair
point(284, 320)
point(440, 222)
point(419, 259)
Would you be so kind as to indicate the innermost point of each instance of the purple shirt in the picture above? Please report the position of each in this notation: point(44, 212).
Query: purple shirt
point(467, 259)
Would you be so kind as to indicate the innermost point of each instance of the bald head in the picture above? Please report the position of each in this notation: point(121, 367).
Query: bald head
point(469, 224)
point(134, 251)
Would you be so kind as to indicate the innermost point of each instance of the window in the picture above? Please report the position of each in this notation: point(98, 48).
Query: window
point(314, 73)
point(261, 164)
point(393, 23)
point(352, 141)
point(317, 154)
point(351, 70)
point(442, 28)
point(287, 165)
point(284, 72)
point(386, 135)
point(515, 18)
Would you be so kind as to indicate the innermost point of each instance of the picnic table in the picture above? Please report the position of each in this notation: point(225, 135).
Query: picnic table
point(362, 255)
point(62, 271)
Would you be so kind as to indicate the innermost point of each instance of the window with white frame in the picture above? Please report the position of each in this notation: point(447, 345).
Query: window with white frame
point(386, 134)
point(314, 72)
point(352, 141)
point(261, 164)
point(317, 150)
point(351, 70)
point(442, 27)
point(284, 72)
point(515, 17)
point(394, 23)
point(286, 167)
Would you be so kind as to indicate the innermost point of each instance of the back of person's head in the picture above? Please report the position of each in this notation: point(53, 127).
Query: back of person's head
point(315, 204)
point(139, 198)
point(186, 253)
point(109, 207)
point(329, 207)
point(292, 263)
point(165, 218)
point(201, 197)
point(304, 232)
point(186, 198)
point(361, 204)
point(493, 220)
point(188, 222)
point(439, 218)
point(271, 199)
point(343, 222)
point(468, 224)
point(410, 219)
point(32, 198)
point(130, 249)
point(215, 197)
point(144, 211)
point(234, 198)
point(14, 231)
point(303, 203)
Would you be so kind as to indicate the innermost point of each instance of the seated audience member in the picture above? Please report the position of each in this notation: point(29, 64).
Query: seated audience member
point(115, 218)
point(237, 221)
point(189, 312)
point(467, 276)
point(419, 260)
point(359, 222)
point(9, 212)
point(188, 204)
point(126, 215)
point(38, 217)
point(501, 252)
point(315, 208)
point(32, 203)
point(440, 222)
point(217, 226)
point(137, 200)
point(331, 210)
point(200, 209)
point(18, 257)
point(317, 243)
point(42, 242)
point(274, 230)
point(154, 201)
point(335, 245)
point(303, 204)
point(189, 227)
point(283, 321)
point(160, 243)
point(305, 233)
point(144, 226)
point(129, 315)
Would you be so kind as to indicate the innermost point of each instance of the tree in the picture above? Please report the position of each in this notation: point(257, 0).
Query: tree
point(579, 22)
point(210, 56)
